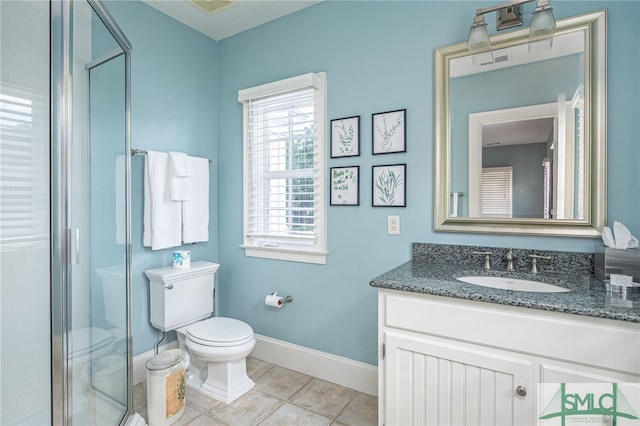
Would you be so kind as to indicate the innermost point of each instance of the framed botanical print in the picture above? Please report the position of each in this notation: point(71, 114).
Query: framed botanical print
point(345, 182)
point(389, 185)
point(389, 131)
point(345, 137)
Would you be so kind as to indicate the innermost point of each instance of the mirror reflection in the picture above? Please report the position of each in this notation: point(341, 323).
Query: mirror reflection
point(516, 131)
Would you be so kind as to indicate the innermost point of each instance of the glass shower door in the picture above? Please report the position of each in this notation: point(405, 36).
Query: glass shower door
point(94, 185)
point(98, 326)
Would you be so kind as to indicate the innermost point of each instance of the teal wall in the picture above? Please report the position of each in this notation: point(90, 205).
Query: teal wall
point(107, 193)
point(378, 57)
point(528, 175)
point(174, 78)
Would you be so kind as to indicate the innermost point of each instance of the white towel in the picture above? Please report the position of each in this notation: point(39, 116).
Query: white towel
point(195, 211)
point(120, 200)
point(179, 180)
point(454, 211)
point(162, 217)
point(179, 164)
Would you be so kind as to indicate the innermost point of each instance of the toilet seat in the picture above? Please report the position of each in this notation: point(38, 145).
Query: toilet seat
point(220, 332)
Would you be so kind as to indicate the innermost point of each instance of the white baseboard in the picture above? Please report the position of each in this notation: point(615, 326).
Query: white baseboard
point(332, 368)
point(140, 361)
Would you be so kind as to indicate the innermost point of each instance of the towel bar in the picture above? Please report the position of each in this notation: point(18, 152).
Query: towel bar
point(135, 151)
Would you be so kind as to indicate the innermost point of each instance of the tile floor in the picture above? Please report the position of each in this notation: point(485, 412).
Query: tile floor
point(281, 397)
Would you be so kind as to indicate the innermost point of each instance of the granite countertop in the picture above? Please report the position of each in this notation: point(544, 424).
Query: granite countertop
point(588, 296)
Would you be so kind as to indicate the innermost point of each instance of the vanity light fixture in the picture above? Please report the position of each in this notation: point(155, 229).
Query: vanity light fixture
point(478, 35)
point(544, 24)
point(509, 15)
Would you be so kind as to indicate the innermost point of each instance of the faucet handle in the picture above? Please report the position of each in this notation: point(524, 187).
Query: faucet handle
point(486, 255)
point(534, 262)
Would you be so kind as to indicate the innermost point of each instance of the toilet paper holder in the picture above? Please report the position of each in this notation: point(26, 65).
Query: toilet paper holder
point(287, 299)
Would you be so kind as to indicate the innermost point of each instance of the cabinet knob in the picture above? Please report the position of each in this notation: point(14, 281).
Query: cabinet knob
point(521, 391)
point(168, 286)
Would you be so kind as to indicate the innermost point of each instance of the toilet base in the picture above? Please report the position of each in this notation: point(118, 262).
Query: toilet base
point(219, 372)
point(225, 382)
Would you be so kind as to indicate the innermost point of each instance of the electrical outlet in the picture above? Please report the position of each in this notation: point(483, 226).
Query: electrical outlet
point(393, 225)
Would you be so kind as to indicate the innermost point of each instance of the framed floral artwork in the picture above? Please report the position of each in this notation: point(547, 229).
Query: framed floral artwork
point(345, 182)
point(345, 137)
point(388, 131)
point(389, 185)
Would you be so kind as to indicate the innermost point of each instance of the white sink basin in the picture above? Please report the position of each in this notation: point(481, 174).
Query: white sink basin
point(513, 284)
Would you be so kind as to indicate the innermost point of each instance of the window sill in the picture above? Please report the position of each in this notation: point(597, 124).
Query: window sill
point(291, 255)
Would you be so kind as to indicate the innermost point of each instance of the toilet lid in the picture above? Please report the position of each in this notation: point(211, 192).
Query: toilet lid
point(220, 331)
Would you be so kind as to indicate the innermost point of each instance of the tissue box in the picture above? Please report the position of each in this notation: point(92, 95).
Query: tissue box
point(609, 261)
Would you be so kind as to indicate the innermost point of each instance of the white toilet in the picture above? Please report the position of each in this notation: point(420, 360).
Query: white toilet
point(182, 300)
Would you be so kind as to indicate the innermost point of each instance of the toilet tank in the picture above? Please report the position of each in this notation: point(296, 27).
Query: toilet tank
point(181, 296)
point(114, 291)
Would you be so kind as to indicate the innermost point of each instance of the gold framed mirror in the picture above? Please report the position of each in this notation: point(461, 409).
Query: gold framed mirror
point(529, 120)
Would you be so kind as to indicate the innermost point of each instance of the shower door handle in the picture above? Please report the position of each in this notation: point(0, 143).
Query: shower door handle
point(73, 237)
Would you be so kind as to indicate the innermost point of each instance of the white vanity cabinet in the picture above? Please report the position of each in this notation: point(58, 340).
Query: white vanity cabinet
point(431, 381)
point(458, 362)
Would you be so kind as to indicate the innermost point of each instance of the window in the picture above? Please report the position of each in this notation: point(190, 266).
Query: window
point(24, 165)
point(496, 191)
point(284, 169)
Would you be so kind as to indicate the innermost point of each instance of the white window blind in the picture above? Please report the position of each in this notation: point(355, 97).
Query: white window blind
point(284, 202)
point(24, 168)
point(497, 191)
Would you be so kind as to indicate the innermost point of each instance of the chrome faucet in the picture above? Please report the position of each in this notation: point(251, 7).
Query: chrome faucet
point(534, 262)
point(509, 258)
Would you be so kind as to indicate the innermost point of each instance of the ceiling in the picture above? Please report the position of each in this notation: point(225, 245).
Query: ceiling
point(245, 15)
point(535, 130)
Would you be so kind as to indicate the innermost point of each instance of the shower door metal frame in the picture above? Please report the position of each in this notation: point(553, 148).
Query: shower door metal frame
point(61, 40)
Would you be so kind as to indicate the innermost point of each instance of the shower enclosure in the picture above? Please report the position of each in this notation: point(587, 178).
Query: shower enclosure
point(65, 215)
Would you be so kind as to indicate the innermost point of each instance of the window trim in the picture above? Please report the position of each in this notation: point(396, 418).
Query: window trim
point(316, 254)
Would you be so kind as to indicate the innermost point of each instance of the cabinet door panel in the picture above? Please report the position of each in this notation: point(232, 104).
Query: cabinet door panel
point(473, 382)
point(432, 382)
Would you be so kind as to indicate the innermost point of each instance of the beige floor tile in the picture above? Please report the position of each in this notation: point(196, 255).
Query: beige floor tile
point(200, 402)
point(188, 415)
point(281, 397)
point(139, 397)
point(249, 409)
point(324, 397)
point(281, 382)
point(362, 410)
point(257, 367)
point(292, 415)
point(205, 420)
